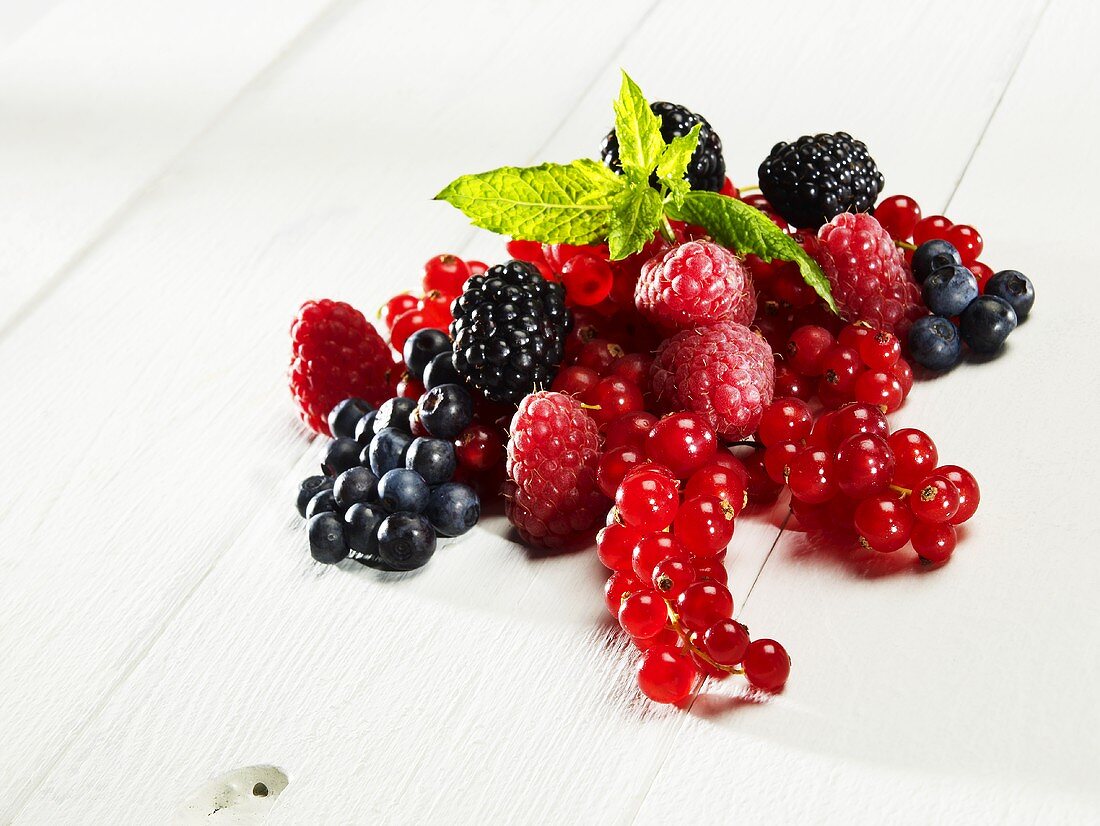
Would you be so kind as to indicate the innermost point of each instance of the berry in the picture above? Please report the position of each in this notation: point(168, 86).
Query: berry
point(340, 455)
point(629, 430)
point(478, 448)
point(405, 541)
point(767, 665)
point(613, 397)
point(552, 497)
point(724, 372)
point(1015, 288)
point(884, 522)
point(643, 614)
point(866, 272)
point(983, 273)
point(361, 523)
point(309, 488)
point(428, 314)
point(777, 458)
point(671, 576)
point(431, 459)
point(387, 450)
point(647, 500)
point(682, 442)
point(397, 306)
point(880, 389)
point(702, 604)
point(933, 255)
point(934, 342)
point(614, 465)
point(441, 370)
point(864, 465)
point(792, 385)
point(840, 367)
point(445, 273)
point(410, 388)
point(817, 177)
point(423, 346)
point(934, 499)
point(345, 415)
point(353, 486)
point(575, 380)
point(966, 240)
point(705, 525)
point(619, 585)
point(811, 476)
point(446, 411)
point(933, 542)
point(324, 501)
point(726, 642)
point(967, 486)
point(949, 290)
point(509, 330)
point(760, 487)
point(402, 490)
point(880, 351)
point(933, 227)
point(336, 355)
point(394, 413)
point(856, 418)
point(721, 481)
point(453, 508)
point(898, 214)
point(915, 455)
point(665, 675)
point(634, 368)
point(587, 280)
point(653, 548)
point(784, 420)
point(806, 349)
point(327, 542)
point(364, 428)
point(695, 283)
point(615, 546)
point(706, 169)
point(985, 324)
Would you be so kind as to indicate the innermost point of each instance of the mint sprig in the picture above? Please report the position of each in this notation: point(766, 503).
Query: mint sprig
point(584, 202)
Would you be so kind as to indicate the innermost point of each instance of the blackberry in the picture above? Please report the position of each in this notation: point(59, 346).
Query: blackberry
point(509, 331)
point(811, 181)
point(707, 168)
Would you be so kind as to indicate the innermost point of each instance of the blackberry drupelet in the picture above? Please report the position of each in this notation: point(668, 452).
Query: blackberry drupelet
point(509, 330)
point(707, 168)
point(814, 179)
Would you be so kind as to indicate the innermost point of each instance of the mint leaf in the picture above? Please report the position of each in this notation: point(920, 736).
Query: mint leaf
point(638, 131)
point(673, 163)
point(637, 214)
point(552, 203)
point(747, 230)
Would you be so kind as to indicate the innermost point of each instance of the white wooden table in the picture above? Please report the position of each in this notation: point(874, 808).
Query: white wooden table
point(175, 177)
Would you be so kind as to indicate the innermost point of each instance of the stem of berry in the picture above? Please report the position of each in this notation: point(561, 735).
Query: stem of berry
point(674, 621)
point(900, 490)
point(666, 230)
point(905, 245)
point(749, 188)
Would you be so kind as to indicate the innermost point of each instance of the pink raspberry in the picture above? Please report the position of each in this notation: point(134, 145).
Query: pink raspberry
point(697, 282)
point(867, 272)
point(551, 495)
point(724, 373)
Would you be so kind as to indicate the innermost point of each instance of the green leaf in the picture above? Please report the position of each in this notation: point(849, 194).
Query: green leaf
point(638, 212)
point(552, 203)
point(638, 131)
point(673, 163)
point(746, 230)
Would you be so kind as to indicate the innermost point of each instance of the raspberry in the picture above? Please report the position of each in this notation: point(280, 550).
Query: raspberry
point(867, 273)
point(336, 354)
point(724, 372)
point(816, 178)
point(695, 283)
point(553, 454)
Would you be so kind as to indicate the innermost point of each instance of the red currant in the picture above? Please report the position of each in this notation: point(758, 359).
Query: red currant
point(784, 420)
point(967, 486)
point(396, 306)
point(934, 542)
point(934, 226)
point(478, 448)
point(665, 675)
point(410, 388)
point(446, 273)
point(898, 214)
point(839, 368)
point(729, 190)
point(614, 465)
point(880, 351)
point(904, 374)
point(811, 476)
point(704, 603)
point(599, 354)
point(705, 525)
point(864, 465)
point(417, 319)
point(613, 397)
point(789, 286)
point(767, 665)
point(982, 272)
point(807, 347)
point(934, 499)
point(530, 251)
point(884, 522)
point(672, 576)
point(881, 389)
point(915, 455)
point(967, 241)
point(856, 418)
point(643, 614)
point(720, 481)
point(575, 381)
point(667, 636)
point(777, 460)
point(760, 487)
point(477, 267)
point(853, 334)
point(587, 280)
point(710, 570)
point(682, 442)
point(634, 367)
point(647, 500)
point(726, 642)
point(629, 430)
point(653, 548)
point(791, 384)
point(619, 585)
point(615, 546)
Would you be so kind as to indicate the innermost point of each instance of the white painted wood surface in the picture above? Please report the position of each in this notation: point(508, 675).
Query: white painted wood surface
point(160, 620)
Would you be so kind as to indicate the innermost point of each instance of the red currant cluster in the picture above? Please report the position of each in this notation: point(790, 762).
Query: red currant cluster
point(901, 217)
point(848, 473)
point(676, 497)
point(442, 282)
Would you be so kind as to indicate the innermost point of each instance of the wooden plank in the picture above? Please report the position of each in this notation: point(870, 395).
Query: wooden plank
point(174, 341)
point(964, 694)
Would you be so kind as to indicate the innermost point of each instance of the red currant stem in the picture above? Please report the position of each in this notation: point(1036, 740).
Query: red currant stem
point(590, 406)
point(666, 230)
point(905, 245)
point(674, 621)
point(749, 188)
point(899, 489)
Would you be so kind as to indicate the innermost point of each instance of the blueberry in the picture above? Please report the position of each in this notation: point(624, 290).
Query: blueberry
point(931, 255)
point(322, 502)
point(433, 459)
point(387, 450)
point(445, 411)
point(403, 490)
point(361, 527)
point(949, 290)
point(441, 370)
point(342, 418)
point(1015, 288)
point(453, 509)
point(354, 485)
point(340, 454)
point(986, 323)
point(423, 346)
point(327, 542)
point(394, 413)
point(934, 343)
point(311, 487)
point(364, 428)
point(405, 541)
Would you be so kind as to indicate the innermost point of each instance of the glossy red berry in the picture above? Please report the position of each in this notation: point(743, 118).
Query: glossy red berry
point(967, 486)
point(811, 476)
point(478, 448)
point(634, 367)
point(666, 675)
point(672, 576)
point(477, 267)
point(915, 455)
point(647, 500)
point(880, 351)
point(884, 522)
point(396, 306)
point(575, 381)
point(855, 418)
point(967, 241)
point(720, 481)
point(777, 460)
point(629, 430)
point(840, 366)
point(934, 542)
point(898, 215)
point(615, 546)
point(682, 442)
point(760, 487)
point(653, 548)
point(934, 226)
point(851, 335)
point(587, 280)
point(710, 570)
point(619, 585)
point(525, 250)
point(705, 525)
point(934, 499)
point(611, 398)
point(417, 319)
point(807, 347)
point(982, 272)
point(702, 604)
point(643, 614)
point(879, 388)
point(410, 388)
point(864, 465)
point(726, 642)
point(767, 665)
point(446, 273)
point(614, 465)
point(904, 374)
point(791, 384)
point(599, 354)
point(785, 420)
